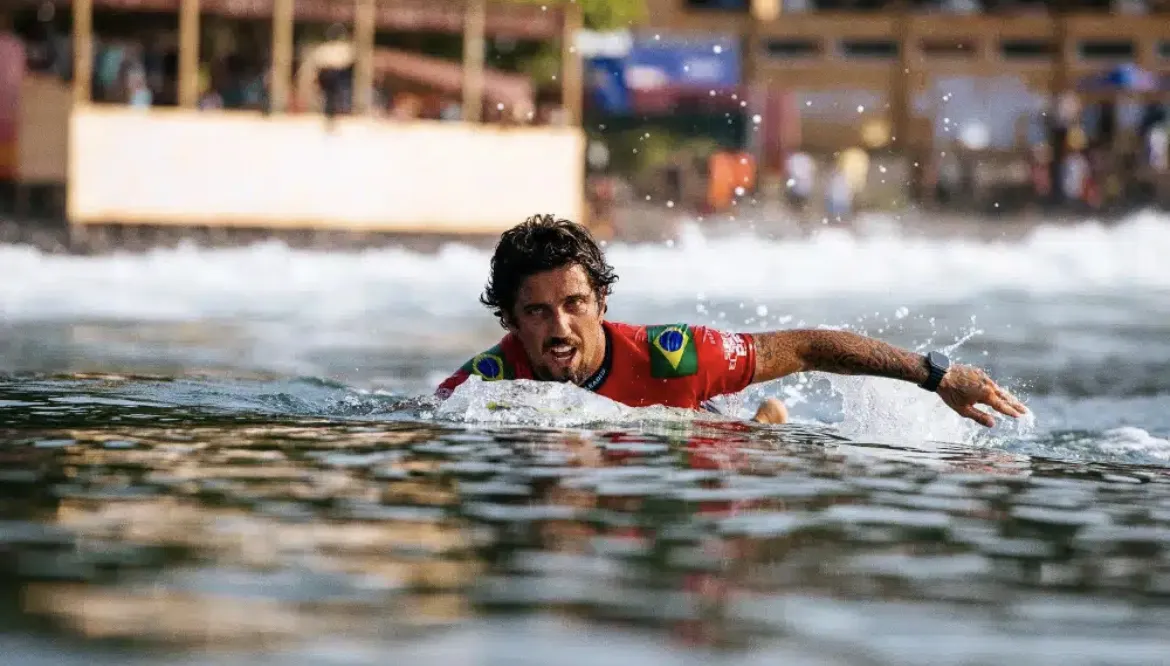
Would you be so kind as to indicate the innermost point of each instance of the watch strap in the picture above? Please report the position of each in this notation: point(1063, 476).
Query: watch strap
point(935, 377)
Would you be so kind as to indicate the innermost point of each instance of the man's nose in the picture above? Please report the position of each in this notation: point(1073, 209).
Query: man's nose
point(560, 323)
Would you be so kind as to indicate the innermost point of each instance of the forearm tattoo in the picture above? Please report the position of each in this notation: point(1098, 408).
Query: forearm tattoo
point(841, 352)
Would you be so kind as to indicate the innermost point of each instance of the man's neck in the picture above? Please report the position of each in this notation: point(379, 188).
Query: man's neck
point(598, 369)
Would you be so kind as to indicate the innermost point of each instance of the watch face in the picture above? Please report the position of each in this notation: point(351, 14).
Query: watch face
point(939, 360)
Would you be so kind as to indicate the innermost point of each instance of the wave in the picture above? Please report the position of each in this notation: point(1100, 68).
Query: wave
point(271, 281)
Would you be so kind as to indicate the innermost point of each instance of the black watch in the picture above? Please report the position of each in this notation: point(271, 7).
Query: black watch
point(937, 364)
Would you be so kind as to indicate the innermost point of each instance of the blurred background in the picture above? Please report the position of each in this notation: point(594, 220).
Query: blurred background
point(130, 123)
point(242, 241)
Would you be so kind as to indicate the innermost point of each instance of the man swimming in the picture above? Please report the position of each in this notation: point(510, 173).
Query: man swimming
point(549, 287)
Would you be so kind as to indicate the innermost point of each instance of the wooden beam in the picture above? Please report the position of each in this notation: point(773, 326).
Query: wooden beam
point(902, 93)
point(1065, 54)
point(82, 51)
point(188, 53)
point(363, 42)
point(474, 20)
point(572, 69)
point(282, 54)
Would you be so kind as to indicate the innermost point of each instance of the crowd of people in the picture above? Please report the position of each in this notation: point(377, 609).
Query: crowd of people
point(1087, 158)
point(141, 68)
point(1082, 158)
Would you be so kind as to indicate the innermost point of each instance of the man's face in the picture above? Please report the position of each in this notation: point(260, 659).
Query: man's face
point(557, 318)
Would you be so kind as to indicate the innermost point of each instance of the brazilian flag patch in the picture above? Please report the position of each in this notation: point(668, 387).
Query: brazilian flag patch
point(489, 365)
point(672, 351)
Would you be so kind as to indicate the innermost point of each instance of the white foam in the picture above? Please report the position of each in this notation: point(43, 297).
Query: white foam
point(886, 410)
point(1129, 440)
point(270, 280)
point(549, 404)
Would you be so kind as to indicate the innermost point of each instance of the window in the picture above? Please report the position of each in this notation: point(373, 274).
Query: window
point(880, 49)
point(732, 6)
point(1026, 48)
point(792, 48)
point(938, 48)
point(1105, 50)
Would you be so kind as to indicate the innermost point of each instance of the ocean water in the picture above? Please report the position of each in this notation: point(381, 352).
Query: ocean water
point(230, 456)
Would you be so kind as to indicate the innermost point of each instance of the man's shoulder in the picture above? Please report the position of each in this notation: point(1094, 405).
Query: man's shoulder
point(504, 360)
point(678, 349)
point(679, 331)
point(673, 348)
point(497, 362)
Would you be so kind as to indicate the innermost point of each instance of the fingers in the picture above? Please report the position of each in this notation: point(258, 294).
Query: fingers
point(1011, 400)
point(980, 417)
point(1005, 406)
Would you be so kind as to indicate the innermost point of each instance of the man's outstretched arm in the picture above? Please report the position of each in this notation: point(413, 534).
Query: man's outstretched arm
point(781, 353)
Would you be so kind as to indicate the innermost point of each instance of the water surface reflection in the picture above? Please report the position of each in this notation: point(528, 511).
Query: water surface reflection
point(212, 536)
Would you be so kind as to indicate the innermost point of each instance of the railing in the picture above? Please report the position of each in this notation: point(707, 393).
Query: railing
point(240, 169)
point(181, 166)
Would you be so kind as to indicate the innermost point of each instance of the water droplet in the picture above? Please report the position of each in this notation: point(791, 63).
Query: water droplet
point(901, 312)
point(860, 109)
point(739, 191)
point(761, 311)
point(670, 204)
point(882, 168)
point(757, 119)
point(791, 182)
point(717, 49)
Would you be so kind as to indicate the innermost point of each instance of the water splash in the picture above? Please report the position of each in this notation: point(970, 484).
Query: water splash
point(550, 404)
point(270, 281)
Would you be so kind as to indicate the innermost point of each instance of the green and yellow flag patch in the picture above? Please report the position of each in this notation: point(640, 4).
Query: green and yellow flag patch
point(672, 351)
point(489, 365)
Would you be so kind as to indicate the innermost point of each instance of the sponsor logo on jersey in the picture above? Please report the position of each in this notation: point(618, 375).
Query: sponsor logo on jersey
point(734, 348)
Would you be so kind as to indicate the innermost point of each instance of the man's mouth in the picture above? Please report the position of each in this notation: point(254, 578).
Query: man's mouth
point(562, 353)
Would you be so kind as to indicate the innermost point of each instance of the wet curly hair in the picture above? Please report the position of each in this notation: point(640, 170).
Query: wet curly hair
point(542, 243)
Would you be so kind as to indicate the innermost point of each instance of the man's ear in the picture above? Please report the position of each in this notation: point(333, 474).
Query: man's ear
point(602, 305)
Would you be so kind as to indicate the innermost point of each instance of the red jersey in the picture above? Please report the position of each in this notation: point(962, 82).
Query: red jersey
point(673, 365)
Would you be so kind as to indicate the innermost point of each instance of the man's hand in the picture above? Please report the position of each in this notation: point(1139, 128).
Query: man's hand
point(963, 387)
point(781, 353)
